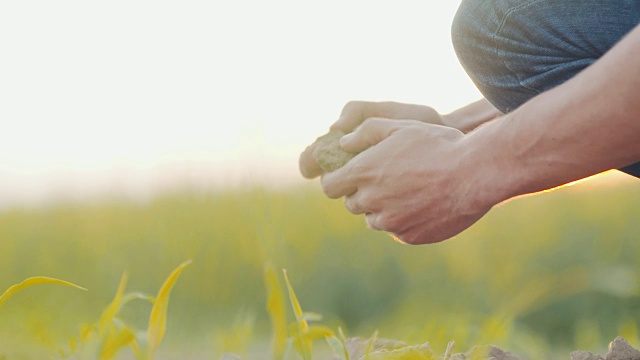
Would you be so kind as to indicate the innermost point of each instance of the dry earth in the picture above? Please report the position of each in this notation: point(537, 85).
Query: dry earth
point(381, 349)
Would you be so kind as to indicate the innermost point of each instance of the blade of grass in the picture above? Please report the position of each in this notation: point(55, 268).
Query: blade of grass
point(37, 280)
point(158, 317)
point(295, 304)
point(343, 342)
point(372, 341)
point(289, 353)
point(128, 297)
point(338, 347)
point(318, 332)
point(276, 310)
point(303, 345)
point(116, 341)
point(112, 309)
point(311, 316)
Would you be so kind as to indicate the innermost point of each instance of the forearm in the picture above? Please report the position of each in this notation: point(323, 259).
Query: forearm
point(585, 126)
point(471, 116)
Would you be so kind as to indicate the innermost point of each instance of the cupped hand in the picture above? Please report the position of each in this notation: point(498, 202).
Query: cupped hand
point(356, 112)
point(414, 180)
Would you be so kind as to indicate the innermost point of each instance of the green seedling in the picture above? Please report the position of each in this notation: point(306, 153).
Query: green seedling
point(276, 310)
point(37, 280)
point(302, 335)
point(158, 318)
point(104, 339)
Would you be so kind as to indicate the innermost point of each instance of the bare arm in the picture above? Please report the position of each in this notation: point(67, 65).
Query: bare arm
point(585, 126)
point(425, 183)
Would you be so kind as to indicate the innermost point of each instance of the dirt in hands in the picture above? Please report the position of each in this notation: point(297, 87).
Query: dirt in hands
point(329, 154)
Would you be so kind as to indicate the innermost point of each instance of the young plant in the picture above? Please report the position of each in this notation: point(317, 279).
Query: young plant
point(302, 335)
point(158, 318)
point(276, 310)
point(110, 334)
point(37, 280)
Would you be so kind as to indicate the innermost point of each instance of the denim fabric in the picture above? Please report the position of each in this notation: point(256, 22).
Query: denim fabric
point(514, 50)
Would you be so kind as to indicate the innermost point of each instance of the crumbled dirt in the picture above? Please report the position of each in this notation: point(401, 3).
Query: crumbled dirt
point(585, 355)
point(619, 349)
point(390, 349)
point(329, 154)
point(381, 349)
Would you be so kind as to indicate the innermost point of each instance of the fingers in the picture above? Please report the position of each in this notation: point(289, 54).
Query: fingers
point(344, 181)
point(308, 162)
point(352, 115)
point(372, 221)
point(356, 112)
point(370, 133)
point(355, 203)
point(339, 183)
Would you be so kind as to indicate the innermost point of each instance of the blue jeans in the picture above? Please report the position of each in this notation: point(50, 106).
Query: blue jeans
point(514, 50)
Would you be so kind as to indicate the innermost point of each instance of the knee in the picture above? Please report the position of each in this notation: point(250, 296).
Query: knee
point(473, 38)
point(462, 27)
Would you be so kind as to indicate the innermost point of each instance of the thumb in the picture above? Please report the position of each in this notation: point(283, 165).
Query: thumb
point(369, 133)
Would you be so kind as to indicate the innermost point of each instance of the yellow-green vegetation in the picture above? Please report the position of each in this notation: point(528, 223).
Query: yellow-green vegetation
point(36, 280)
point(538, 276)
point(103, 339)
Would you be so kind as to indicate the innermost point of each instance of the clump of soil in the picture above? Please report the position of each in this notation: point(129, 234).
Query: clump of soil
point(329, 154)
point(619, 349)
point(390, 349)
point(380, 349)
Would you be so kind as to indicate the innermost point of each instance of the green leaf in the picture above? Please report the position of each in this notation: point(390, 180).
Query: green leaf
point(128, 297)
point(297, 309)
point(303, 345)
point(37, 280)
point(112, 309)
point(338, 347)
point(158, 317)
point(372, 341)
point(116, 341)
point(311, 316)
point(276, 310)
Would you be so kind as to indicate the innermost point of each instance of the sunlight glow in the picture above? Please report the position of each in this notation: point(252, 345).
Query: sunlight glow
point(97, 94)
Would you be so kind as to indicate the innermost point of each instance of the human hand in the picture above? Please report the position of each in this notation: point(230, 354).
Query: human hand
point(414, 180)
point(355, 113)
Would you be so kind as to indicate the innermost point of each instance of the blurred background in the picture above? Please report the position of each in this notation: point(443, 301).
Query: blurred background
point(136, 135)
point(134, 97)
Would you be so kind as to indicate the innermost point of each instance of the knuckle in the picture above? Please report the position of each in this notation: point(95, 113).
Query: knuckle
point(378, 221)
point(350, 204)
point(353, 107)
point(350, 117)
point(353, 205)
point(385, 223)
point(331, 195)
point(353, 104)
point(327, 188)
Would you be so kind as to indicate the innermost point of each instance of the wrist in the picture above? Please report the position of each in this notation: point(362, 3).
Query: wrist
point(494, 173)
point(509, 160)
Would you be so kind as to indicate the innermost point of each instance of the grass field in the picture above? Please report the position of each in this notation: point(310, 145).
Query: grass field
point(539, 275)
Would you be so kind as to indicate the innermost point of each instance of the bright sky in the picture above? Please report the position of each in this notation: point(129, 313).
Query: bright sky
point(129, 96)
